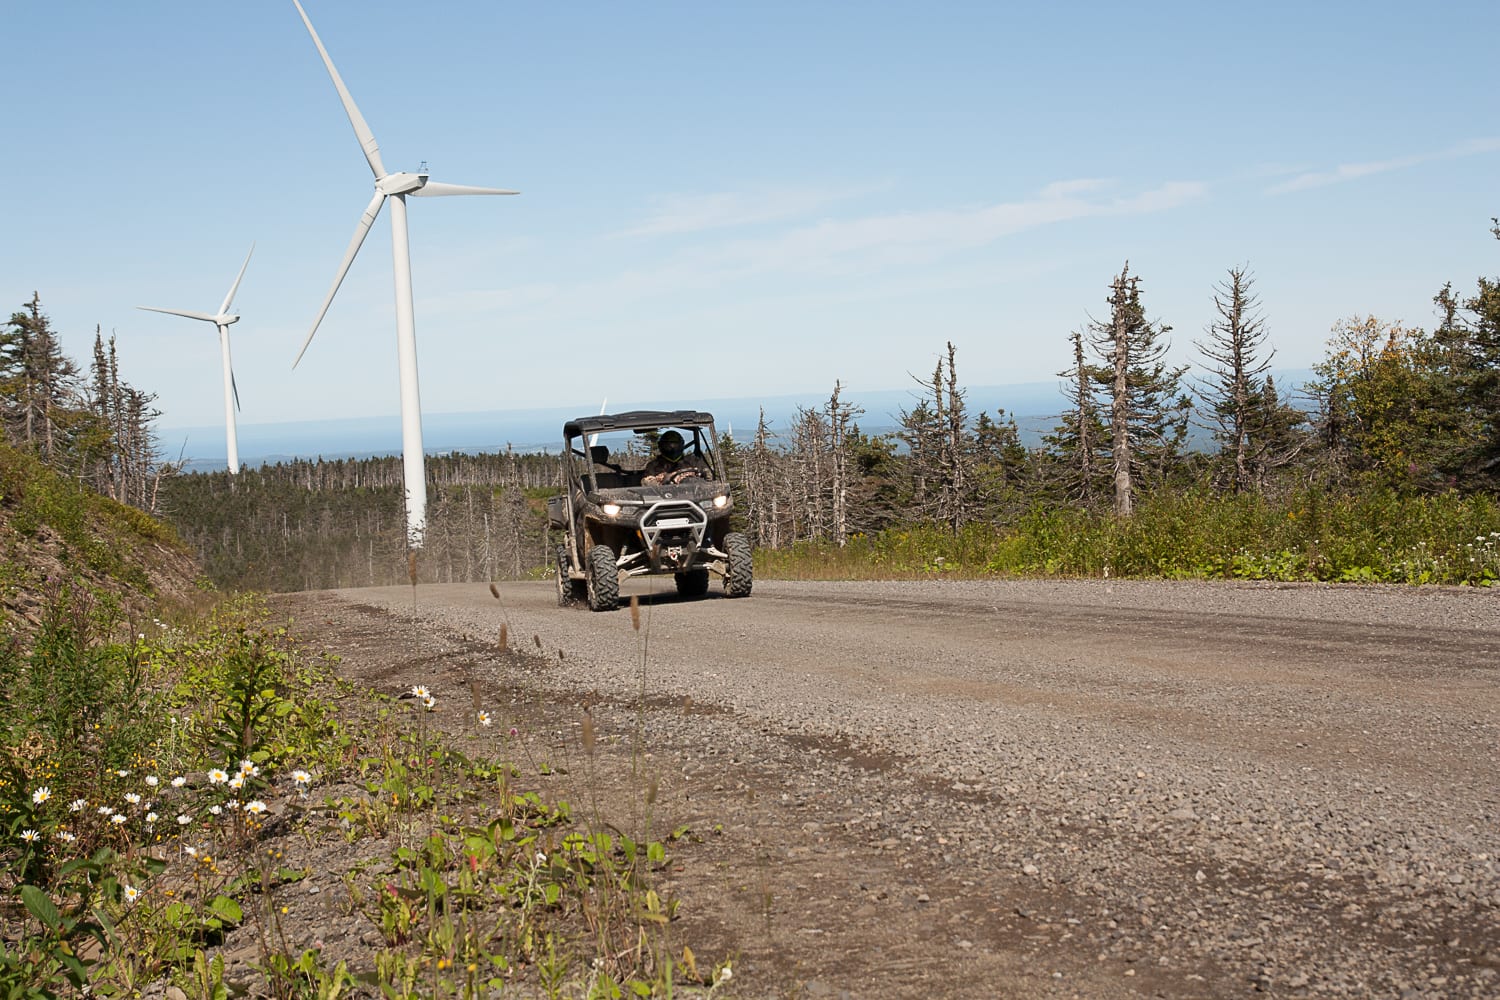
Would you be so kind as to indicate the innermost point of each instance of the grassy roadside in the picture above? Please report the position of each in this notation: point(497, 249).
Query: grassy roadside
point(1307, 536)
point(164, 798)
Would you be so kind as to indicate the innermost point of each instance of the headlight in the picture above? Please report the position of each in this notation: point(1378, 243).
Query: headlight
point(722, 500)
point(611, 510)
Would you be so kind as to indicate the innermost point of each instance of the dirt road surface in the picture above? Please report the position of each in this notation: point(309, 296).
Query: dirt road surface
point(1013, 788)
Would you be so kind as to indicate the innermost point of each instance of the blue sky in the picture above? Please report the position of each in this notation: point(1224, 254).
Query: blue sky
point(729, 199)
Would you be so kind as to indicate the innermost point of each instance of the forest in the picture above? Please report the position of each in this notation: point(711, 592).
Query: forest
point(1386, 466)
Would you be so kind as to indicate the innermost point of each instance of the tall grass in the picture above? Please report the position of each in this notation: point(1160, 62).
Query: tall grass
point(1307, 535)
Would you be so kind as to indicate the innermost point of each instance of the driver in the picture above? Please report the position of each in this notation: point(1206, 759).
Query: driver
point(672, 463)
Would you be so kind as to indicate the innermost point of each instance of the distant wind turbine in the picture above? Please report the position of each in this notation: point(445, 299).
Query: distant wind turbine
point(222, 320)
point(395, 187)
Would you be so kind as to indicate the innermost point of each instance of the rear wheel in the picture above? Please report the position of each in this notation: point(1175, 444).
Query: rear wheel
point(568, 589)
point(693, 583)
point(603, 579)
point(739, 573)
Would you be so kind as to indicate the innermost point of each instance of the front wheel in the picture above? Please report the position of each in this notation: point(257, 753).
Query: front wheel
point(739, 573)
point(603, 579)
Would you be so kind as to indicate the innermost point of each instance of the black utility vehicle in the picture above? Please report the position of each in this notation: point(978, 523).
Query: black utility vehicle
point(617, 526)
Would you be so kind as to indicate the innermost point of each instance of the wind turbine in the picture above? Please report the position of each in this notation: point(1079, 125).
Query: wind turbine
point(393, 187)
point(222, 320)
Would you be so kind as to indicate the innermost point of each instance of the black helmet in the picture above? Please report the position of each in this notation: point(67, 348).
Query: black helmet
point(671, 445)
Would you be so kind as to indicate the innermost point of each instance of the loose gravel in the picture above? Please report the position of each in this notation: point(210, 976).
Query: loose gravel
point(1024, 788)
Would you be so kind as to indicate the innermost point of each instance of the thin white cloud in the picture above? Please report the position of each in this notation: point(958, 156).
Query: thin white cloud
point(895, 245)
point(841, 244)
point(1354, 171)
point(693, 213)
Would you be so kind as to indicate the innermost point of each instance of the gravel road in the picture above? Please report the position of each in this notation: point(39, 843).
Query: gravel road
point(1022, 788)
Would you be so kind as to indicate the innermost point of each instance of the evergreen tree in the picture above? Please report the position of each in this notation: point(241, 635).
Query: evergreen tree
point(940, 449)
point(1237, 371)
point(1376, 391)
point(38, 384)
point(1074, 449)
point(1469, 331)
point(1148, 410)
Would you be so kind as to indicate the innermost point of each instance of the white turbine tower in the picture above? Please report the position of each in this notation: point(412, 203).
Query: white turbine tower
point(222, 320)
point(393, 187)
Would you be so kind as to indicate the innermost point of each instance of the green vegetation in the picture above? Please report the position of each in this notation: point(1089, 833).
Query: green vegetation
point(153, 789)
point(1309, 536)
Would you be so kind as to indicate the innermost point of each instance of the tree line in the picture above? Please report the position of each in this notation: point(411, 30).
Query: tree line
point(1390, 408)
point(95, 428)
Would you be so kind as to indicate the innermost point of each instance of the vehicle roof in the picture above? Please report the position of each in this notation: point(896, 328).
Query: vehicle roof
point(636, 420)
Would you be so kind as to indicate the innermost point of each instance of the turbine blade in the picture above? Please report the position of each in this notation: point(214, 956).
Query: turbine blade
point(437, 189)
point(181, 312)
point(361, 129)
point(594, 438)
point(360, 232)
point(236, 286)
point(235, 391)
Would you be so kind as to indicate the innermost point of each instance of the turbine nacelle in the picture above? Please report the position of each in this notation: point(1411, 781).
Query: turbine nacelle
point(402, 182)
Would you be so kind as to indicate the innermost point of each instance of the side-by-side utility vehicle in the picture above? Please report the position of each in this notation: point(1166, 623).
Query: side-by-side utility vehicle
point(622, 516)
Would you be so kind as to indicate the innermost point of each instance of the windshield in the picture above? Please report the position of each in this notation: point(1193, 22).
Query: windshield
point(620, 458)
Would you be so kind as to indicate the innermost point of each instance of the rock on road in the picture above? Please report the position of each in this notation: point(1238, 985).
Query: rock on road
point(1021, 788)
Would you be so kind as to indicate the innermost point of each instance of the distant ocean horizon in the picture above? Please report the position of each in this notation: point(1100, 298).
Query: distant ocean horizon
point(1034, 406)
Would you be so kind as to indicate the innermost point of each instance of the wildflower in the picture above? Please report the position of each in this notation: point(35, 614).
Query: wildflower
point(123, 773)
point(429, 702)
point(119, 818)
point(237, 782)
point(131, 893)
point(151, 781)
point(726, 973)
point(255, 808)
point(106, 811)
point(178, 781)
point(420, 691)
point(41, 795)
point(78, 805)
point(29, 836)
point(132, 798)
point(216, 810)
point(65, 836)
point(541, 858)
point(183, 819)
point(217, 777)
point(514, 731)
point(191, 852)
point(248, 768)
point(301, 778)
point(151, 817)
point(484, 719)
